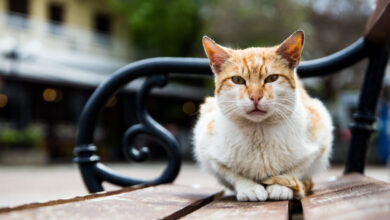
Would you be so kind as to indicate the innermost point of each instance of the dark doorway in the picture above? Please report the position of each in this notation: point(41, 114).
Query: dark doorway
point(102, 24)
point(56, 12)
point(56, 17)
point(102, 27)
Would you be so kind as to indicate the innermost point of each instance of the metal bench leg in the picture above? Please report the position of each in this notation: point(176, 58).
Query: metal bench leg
point(362, 127)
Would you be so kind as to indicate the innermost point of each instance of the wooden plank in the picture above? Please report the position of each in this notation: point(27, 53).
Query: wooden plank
point(75, 199)
point(352, 196)
point(158, 202)
point(230, 208)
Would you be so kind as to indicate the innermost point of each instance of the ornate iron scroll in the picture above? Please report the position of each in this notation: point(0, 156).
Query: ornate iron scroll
point(149, 126)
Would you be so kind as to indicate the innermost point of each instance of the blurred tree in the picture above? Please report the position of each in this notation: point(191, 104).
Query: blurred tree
point(161, 28)
point(248, 23)
point(336, 24)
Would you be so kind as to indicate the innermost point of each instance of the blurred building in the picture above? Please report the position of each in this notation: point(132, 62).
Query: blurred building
point(79, 27)
point(81, 35)
point(53, 53)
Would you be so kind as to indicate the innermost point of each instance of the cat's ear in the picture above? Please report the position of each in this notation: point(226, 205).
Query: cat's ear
point(291, 48)
point(216, 54)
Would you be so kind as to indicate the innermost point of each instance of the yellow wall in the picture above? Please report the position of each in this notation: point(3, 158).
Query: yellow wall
point(2, 6)
point(78, 13)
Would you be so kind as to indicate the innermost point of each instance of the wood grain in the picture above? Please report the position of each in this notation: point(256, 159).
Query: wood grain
point(74, 199)
point(352, 196)
point(159, 202)
point(229, 208)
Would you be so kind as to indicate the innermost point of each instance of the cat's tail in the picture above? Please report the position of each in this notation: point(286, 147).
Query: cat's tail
point(301, 188)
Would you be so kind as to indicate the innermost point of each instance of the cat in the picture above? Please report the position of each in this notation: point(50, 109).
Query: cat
point(262, 135)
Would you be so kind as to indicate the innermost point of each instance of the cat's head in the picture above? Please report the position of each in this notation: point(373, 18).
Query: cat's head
point(256, 83)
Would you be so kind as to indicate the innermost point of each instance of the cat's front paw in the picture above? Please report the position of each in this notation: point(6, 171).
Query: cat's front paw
point(251, 192)
point(278, 192)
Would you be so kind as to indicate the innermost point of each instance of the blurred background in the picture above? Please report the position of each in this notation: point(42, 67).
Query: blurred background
point(54, 53)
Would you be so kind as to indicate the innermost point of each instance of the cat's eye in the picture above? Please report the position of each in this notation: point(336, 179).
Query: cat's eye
point(238, 80)
point(271, 78)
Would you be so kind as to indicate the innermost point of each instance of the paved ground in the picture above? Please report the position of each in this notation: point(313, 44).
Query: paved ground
point(25, 184)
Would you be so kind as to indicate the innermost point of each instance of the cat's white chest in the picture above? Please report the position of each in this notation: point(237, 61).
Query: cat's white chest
point(257, 153)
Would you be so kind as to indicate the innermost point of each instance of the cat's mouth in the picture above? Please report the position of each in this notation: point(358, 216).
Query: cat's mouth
point(256, 111)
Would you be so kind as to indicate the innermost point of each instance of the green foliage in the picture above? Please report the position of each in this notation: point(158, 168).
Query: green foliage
point(175, 27)
point(28, 137)
point(161, 28)
point(249, 23)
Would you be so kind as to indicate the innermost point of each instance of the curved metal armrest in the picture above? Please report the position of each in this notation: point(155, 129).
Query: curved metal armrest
point(334, 62)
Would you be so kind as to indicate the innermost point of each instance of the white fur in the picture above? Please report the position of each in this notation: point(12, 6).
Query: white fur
point(243, 150)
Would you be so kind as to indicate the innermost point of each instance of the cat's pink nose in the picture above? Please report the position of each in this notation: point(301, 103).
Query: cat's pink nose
point(255, 100)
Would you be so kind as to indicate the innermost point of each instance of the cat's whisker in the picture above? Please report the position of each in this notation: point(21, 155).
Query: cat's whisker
point(283, 116)
point(228, 110)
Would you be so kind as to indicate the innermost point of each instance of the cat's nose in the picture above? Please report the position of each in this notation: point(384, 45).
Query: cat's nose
point(255, 99)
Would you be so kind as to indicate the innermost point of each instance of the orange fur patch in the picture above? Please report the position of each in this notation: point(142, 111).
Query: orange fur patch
point(291, 49)
point(281, 180)
point(289, 79)
point(308, 184)
point(323, 149)
point(243, 91)
point(314, 124)
point(223, 83)
point(217, 55)
point(210, 127)
point(299, 191)
point(268, 90)
point(289, 181)
point(262, 66)
point(208, 105)
point(314, 115)
point(255, 91)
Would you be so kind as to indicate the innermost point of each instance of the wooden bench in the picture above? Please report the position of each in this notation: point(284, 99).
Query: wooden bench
point(351, 196)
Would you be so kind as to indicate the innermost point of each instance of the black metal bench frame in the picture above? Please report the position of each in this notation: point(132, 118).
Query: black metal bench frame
point(157, 70)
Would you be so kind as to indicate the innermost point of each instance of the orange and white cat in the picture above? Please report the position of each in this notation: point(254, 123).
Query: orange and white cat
point(262, 135)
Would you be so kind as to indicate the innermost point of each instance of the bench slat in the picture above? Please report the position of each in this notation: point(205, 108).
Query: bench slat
point(70, 200)
point(159, 202)
point(229, 208)
point(352, 196)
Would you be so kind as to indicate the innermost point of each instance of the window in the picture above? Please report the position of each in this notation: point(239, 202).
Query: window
point(102, 27)
point(55, 15)
point(18, 6)
point(18, 12)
